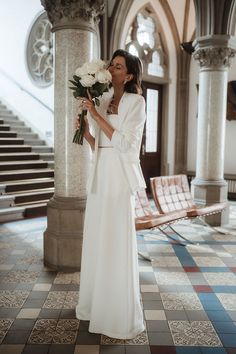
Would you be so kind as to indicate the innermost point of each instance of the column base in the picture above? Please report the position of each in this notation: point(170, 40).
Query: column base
point(64, 234)
point(210, 192)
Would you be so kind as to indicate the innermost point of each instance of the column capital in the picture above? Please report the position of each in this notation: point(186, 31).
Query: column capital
point(82, 14)
point(214, 52)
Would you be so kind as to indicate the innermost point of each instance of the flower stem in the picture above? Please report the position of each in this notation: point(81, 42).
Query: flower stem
point(79, 133)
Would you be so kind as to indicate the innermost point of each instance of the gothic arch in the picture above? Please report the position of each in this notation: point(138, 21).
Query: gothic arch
point(123, 19)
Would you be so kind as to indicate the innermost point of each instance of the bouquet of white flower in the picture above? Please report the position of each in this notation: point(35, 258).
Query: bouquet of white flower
point(91, 79)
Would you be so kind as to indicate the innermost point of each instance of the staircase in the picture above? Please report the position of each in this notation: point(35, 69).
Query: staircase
point(26, 170)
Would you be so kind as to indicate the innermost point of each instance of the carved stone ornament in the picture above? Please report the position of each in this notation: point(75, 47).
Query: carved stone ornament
point(73, 13)
point(214, 57)
point(39, 52)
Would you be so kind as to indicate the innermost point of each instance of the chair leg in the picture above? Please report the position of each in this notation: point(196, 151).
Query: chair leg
point(147, 258)
point(162, 229)
point(171, 237)
point(214, 228)
point(181, 236)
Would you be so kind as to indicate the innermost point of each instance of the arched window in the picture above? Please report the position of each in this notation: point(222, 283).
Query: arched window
point(143, 40)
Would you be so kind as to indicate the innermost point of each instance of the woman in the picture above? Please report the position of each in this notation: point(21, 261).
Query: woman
point(109, 288)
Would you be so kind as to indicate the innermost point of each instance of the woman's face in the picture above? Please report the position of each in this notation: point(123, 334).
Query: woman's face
point(118, 70)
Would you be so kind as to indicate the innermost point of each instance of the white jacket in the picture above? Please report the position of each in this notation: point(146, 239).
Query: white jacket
point(126, 139)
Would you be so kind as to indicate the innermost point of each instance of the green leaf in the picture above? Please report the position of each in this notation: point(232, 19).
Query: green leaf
point(97, 101)
point(73, 82)
point(76, 78)
point(75, 94)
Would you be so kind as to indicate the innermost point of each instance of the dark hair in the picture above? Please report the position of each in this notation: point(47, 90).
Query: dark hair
point(134, 67)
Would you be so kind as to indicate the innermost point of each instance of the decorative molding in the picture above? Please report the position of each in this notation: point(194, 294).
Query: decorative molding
point(214, 57)
point(73, 13)
point(39, 52)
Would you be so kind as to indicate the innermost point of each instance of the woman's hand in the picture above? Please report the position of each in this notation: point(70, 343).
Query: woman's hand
point(87, 103)
point(86, 127)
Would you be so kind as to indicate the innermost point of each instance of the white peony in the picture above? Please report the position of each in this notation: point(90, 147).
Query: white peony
point(95, 65)
point(83, 70)
point(103, 76)
point(87, 80)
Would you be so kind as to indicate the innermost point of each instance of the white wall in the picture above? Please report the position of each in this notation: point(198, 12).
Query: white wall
point(16, 18)
point(230, 138)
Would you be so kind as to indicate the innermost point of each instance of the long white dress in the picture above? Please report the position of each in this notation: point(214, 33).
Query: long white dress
point(109, 295)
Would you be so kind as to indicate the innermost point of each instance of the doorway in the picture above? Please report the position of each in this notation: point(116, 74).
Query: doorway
point(150, 154)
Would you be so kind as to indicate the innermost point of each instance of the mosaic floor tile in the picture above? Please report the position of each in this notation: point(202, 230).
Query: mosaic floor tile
point(155, 315)
point(145, 269)
point(30, 259)
point(87, 349)
point(5, 324)
point(160, 248)
point(13, 298)
point(42, 287)
point(228, 301)
point(28, 313)
point(11, 348)
point(166, 261)
point(140, 339)
point(67, 278)
point(195, 333)
point(61, 299)
point(180, 301)
point(60, 331)
point(208, 261)
point(20, 276)
point(172, 278)
point(149, 288)
point(230, 248)
point(172, 288)
point(220, 278)
point(192, 249)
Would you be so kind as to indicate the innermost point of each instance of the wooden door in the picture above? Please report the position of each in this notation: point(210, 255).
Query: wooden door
point(150, 154)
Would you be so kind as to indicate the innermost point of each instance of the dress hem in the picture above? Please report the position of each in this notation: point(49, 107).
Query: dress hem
point(132, 335)
point(111, 334)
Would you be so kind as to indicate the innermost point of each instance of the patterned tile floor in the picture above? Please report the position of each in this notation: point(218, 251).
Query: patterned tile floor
point(188, 295)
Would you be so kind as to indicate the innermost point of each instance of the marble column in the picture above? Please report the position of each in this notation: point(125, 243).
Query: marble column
point(213, 53)
point(75, 42)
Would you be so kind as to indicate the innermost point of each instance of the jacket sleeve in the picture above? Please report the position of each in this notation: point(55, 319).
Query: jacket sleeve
point(132, 129)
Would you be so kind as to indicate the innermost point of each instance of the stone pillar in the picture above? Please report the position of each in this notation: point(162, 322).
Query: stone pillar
point(75, 42)
point(213, 53)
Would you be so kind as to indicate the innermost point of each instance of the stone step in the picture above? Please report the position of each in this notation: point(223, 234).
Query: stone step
point(11, 141)
point(34, 142)
point(6, 201)
point(27, 135)
point(13, 122)
point(9, 117)
point(5, 110)
point(20, 129)
point(8, 134)
point(51, 164)
point(42, 149)
point(32, 196)
point(5, 113)
point(18, 156)
point(13, 213)
point(14, 148)
point(7, 176)
point(26, 185)
point(4, 127)
point(35, 210)
point(47, 156)
point(19, 165)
